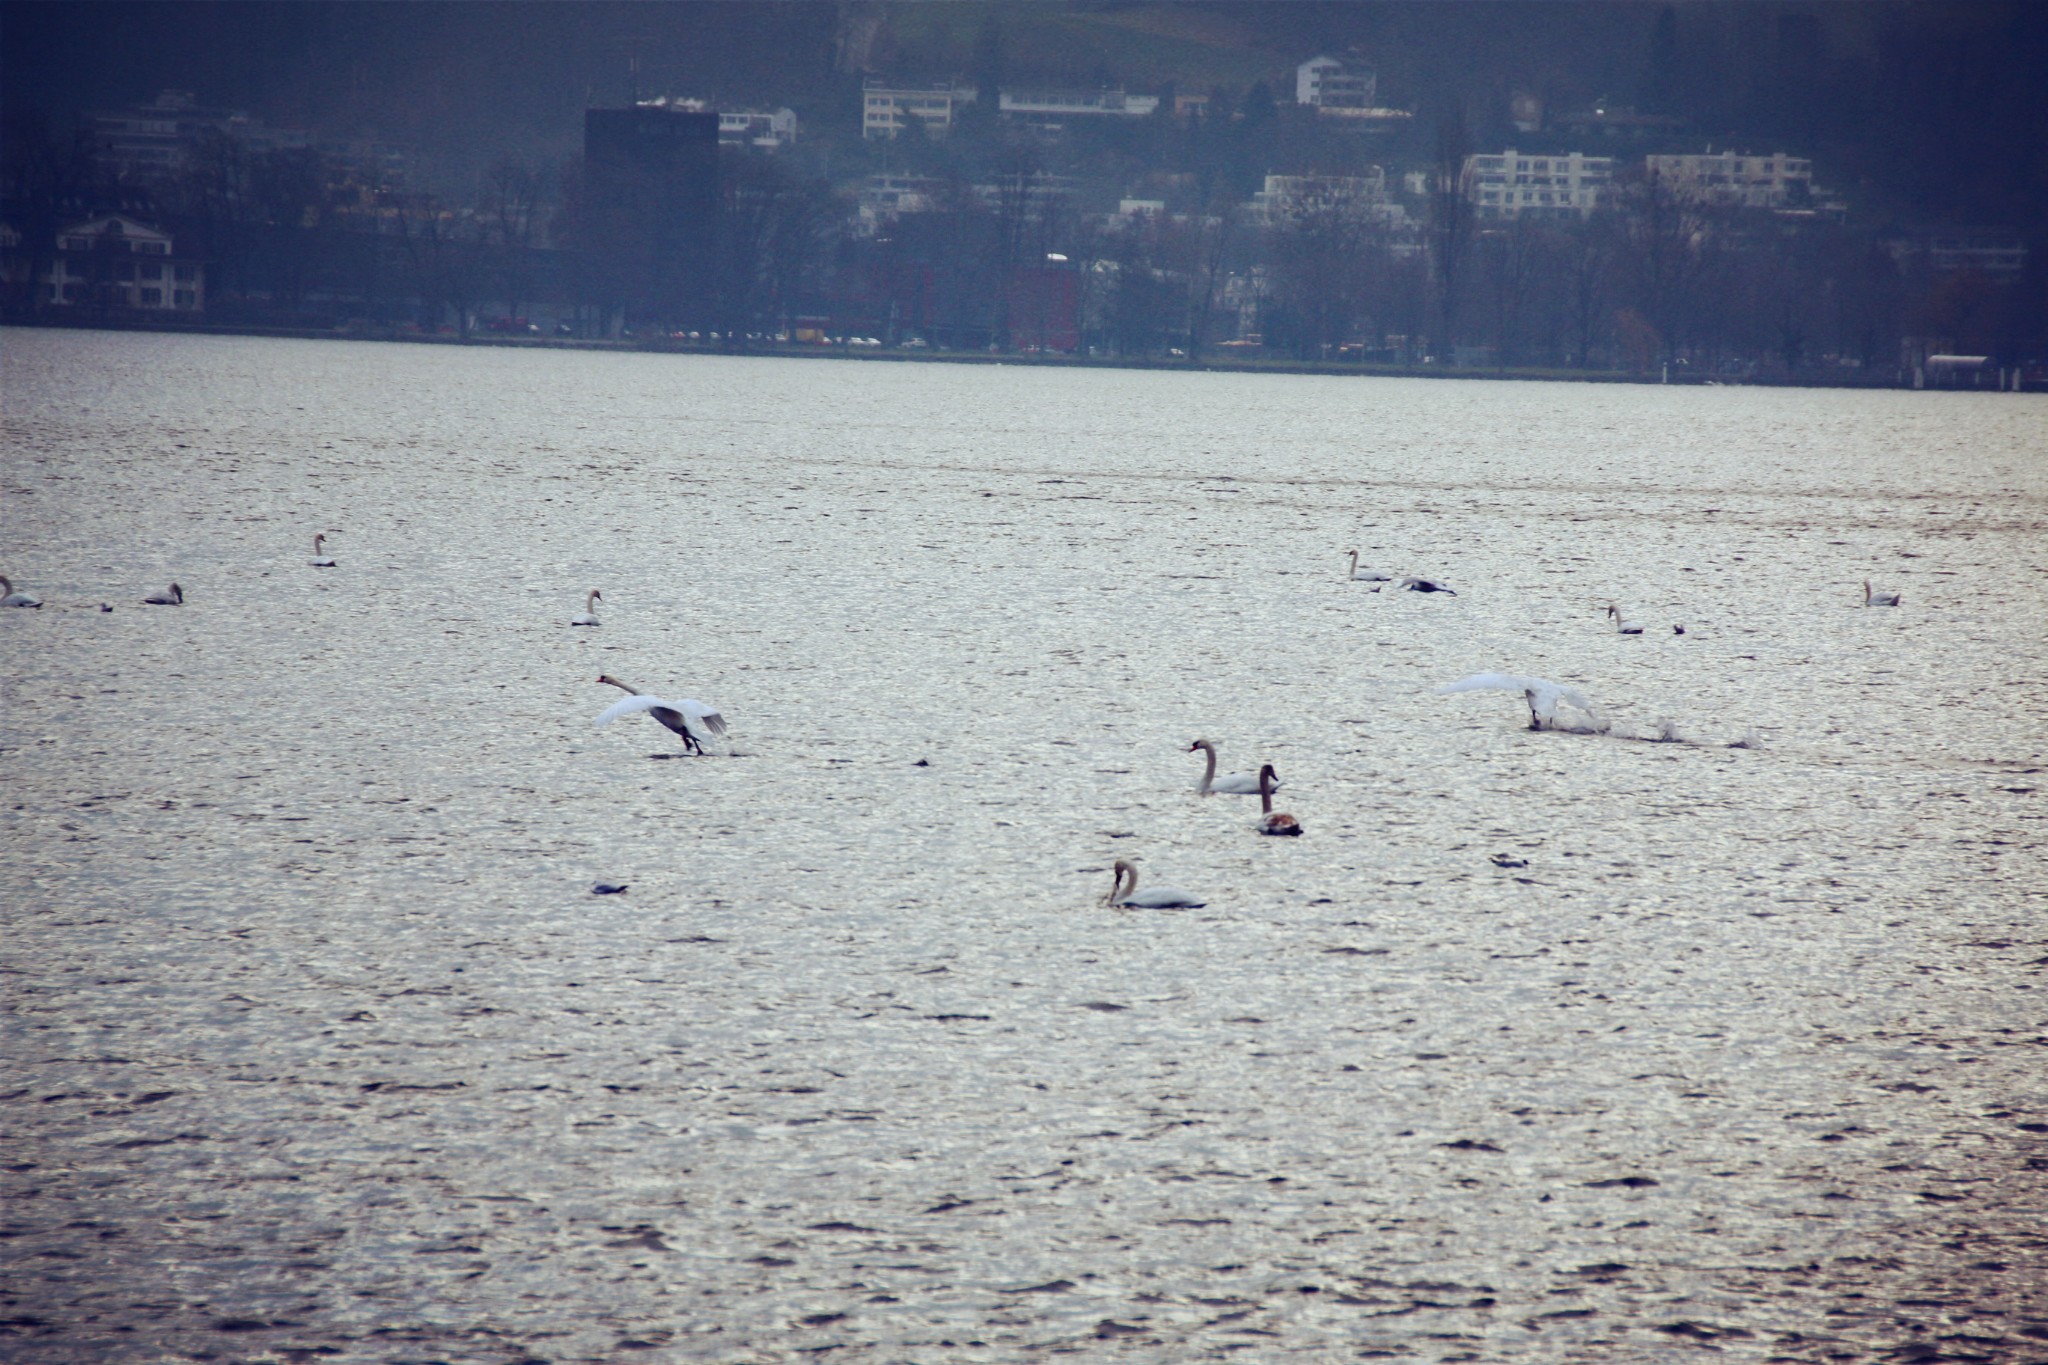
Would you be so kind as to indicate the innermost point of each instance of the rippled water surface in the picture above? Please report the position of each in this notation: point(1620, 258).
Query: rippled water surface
point(319, 1046)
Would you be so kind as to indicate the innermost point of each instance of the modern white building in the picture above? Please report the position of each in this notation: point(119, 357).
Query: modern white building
point(1330, 83)
point(886, 110)
point(1510, 184)
point(1053, 110)
point(1741, 178)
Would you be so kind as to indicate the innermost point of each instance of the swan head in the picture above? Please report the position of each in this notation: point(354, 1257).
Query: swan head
point(1118, 873)
point(1202, 744)
point(318, 541)
point(608, 678)
point(596, 596)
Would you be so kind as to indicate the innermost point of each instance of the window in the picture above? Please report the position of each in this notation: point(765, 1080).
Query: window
point(152, 298)
point(184, 274)
point(149, 272)
point(185, 298)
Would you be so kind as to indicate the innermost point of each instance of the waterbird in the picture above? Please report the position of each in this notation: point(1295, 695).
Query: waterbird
point(1624, 626)
point(1159, 898)
point(1878, 599)
point(1231, 784)
point(1273, 821)
point(1359, 575)
point(10, 598)
point(173, 596)
point(589, 614)
point(1543, 697)
point(692, 720)
point(1414, 584)
point(320, 560)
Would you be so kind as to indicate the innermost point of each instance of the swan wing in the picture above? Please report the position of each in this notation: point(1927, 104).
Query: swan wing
point(1238, 784)
point(629, 706)
point(1505, 682)
point(701, 715)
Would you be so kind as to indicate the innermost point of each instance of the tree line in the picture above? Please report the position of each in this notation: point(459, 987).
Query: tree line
point(1018, 246)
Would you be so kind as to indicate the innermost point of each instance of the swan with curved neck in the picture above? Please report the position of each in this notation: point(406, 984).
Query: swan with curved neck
point(321, 560)
point(589, 616)
point(1123, 890)
point(1359, 575)
point(692, 721)
point(1273, 821)
point(1230, 784)
point(1879, 599)
point(10, 598)
point(1622, 625)
point(173, 596)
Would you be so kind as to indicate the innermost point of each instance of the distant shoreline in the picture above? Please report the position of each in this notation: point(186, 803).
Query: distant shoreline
point(1207, 364)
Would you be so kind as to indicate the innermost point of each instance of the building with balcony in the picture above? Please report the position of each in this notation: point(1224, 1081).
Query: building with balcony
point(1054, 110)
point(1511, 184)
point(1776, 181)
point(110, 263)
point(888, 109)
point(1331, 83)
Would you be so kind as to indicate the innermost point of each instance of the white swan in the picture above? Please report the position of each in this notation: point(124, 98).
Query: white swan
point(1879, 599)
point(1273, 821)
point(1543, 697)
point(1158, 898)
point(589, 615)
point(173, 596)
point(1359, 575)
point(1230, 784)
point(1414, 584)
point(1624, 626)
point(320, 558)
point(10, 598)
point(692, 720)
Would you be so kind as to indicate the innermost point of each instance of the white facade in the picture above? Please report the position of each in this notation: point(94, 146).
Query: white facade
point(886, 110)
point(1053, 109)
point(1328, 83)
point(1758, 182)
point(1509, 184)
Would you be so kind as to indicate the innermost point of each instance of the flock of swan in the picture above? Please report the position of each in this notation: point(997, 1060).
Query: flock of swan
point(1552, 706)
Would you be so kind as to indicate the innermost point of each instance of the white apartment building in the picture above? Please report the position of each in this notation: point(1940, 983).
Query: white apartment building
point(1758, 182)
point(1054, 109)
point(1509, 184)
point(1328, 83)
point(886, 110)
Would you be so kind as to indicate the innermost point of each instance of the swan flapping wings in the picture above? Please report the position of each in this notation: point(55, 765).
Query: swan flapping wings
point(694, 716)
point(1542, 695)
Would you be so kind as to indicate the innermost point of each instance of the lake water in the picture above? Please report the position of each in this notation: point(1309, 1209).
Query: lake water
point(319, 1042)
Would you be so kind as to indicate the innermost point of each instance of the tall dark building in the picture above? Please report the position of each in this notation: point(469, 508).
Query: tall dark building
point(651, 203)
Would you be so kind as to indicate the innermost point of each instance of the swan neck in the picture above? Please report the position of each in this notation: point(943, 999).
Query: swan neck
point(6, 586)
point(1208, 772)
point(1266, 789)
